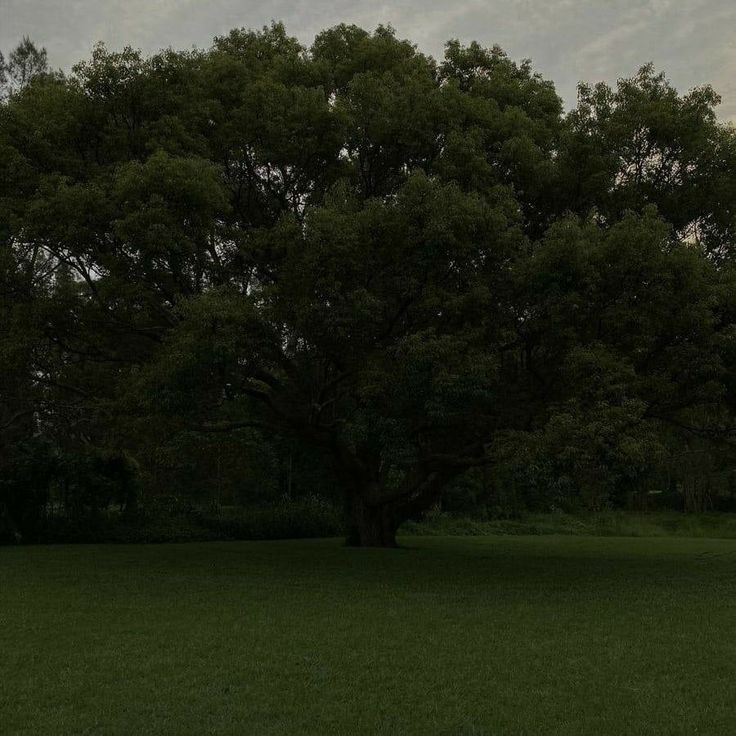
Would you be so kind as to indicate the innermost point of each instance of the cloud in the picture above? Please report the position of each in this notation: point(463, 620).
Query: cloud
point(568, 40)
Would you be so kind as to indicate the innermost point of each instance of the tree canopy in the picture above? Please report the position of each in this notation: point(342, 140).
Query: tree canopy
point(408, 267)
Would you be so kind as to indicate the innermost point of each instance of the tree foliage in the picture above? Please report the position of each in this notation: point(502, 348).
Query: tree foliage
point(404, 268)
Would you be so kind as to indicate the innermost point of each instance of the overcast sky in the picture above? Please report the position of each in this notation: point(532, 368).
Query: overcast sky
point(693, 41)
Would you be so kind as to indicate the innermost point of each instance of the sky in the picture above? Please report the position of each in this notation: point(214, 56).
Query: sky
point(693, 41)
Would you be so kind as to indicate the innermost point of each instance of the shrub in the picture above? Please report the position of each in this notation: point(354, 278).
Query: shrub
point(302, 518)
point(173, 519)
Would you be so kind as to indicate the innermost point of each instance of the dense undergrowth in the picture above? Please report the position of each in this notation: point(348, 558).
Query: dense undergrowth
point(171, 520)
point(176, 521)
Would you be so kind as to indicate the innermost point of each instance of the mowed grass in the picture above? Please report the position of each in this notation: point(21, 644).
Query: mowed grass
point(481, 635)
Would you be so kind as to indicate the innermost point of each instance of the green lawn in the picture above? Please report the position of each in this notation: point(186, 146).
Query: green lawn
point(481, 635)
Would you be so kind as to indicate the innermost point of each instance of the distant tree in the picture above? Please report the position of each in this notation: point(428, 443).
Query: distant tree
point(25, 62)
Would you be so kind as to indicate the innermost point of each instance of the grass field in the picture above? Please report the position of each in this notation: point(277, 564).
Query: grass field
point(475, 635)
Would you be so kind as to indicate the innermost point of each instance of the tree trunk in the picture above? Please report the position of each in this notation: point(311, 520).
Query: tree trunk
point(371, 525)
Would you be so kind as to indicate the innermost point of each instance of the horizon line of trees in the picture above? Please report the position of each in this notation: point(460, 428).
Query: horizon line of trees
point(357, 271)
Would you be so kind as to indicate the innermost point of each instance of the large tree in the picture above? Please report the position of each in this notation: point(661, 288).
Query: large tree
point(399, 263)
